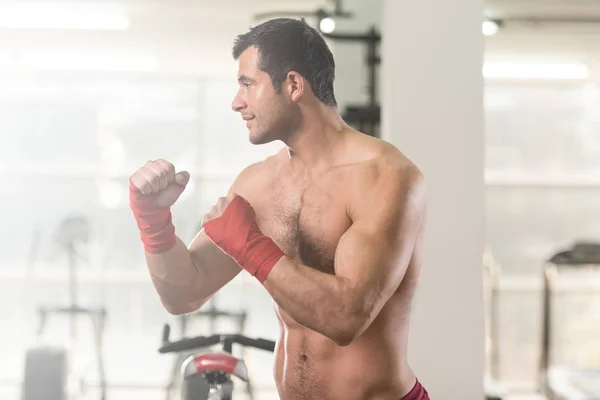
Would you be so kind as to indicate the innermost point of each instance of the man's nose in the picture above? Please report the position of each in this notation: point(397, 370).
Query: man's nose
point(238, 103)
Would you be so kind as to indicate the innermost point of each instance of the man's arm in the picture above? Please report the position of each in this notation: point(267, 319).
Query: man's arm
point(370, 261)
point(186, 278)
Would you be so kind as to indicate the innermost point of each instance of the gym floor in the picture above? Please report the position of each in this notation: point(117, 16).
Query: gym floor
point(124, 394)
point(153, 394)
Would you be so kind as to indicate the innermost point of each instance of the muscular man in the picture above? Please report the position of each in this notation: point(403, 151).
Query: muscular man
point(332, 226)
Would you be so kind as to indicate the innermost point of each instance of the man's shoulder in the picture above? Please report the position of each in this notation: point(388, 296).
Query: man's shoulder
point(386, 184)
point(375, 156)
point(388, 166)
point(256, 174)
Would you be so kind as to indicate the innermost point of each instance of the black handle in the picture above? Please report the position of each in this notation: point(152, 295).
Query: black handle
point(187, 344)
point(206, 341)
point(262, 344)
point(265, 344)
point(166, 333)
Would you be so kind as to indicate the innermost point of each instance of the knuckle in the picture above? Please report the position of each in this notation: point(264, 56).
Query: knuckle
point(165, 164)
point(138, 180)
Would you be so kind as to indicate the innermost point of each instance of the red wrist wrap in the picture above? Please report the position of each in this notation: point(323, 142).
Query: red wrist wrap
point(156, 227)
point(238, 235)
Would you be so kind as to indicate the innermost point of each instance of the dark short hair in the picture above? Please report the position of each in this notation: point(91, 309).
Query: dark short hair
point(286, 44)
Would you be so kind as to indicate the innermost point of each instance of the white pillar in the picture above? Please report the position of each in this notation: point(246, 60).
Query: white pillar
point(432, 105)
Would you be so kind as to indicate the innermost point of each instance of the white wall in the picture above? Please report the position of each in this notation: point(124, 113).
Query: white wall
point(432, 110)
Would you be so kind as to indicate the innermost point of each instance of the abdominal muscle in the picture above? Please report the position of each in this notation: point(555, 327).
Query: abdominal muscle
point(309, 365)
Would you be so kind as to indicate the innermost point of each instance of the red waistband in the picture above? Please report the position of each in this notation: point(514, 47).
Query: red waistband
point(418, 392)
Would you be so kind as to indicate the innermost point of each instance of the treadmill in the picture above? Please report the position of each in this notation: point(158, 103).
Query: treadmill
point(563, 382)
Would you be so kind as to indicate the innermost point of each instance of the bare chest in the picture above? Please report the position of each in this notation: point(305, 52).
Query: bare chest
point(305, 220)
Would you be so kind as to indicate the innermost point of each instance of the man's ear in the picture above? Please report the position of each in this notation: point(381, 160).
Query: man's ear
point(294, 83)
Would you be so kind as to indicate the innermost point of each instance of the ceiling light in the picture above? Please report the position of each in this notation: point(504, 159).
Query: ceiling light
point(73, 60)
point(327, 25)
point(55, 16)
point(522, 70)
point(490, 28)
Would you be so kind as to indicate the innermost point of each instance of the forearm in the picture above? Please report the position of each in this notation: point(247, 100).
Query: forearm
point(179, 274)
point(175, 277)
point(321, 302)
point(325, 303)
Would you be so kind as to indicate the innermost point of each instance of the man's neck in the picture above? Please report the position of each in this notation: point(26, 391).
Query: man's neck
point(317, 139)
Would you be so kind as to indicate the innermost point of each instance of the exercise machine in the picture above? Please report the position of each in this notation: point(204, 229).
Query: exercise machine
point(213, 314)
point(562, 382)
point(492, 273)
point(48, 371)
point(208, 375)
point(365, 117)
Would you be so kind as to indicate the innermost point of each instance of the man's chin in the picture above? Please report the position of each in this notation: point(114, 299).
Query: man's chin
point(259, 139)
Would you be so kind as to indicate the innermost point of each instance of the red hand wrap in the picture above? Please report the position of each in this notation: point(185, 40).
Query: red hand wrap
point(156, 227)
point(238, 235)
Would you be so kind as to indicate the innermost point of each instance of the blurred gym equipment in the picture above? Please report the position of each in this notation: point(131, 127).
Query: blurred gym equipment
point(208, 376)
point(493, 271)
point(366, 118)
point(48, 371)
point(564, 382)
point(213, 314)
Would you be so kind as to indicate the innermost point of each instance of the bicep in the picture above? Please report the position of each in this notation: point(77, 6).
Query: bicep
point(374, 254)
point(373, 263)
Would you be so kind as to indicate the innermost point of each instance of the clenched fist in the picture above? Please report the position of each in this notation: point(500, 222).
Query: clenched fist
point(158, 178)
point(218, 209)
point(231, 225)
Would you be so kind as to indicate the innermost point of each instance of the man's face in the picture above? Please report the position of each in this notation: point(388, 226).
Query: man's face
point(269, 114)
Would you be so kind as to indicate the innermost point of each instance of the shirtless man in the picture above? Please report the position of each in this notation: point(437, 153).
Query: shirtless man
point(332, 226)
